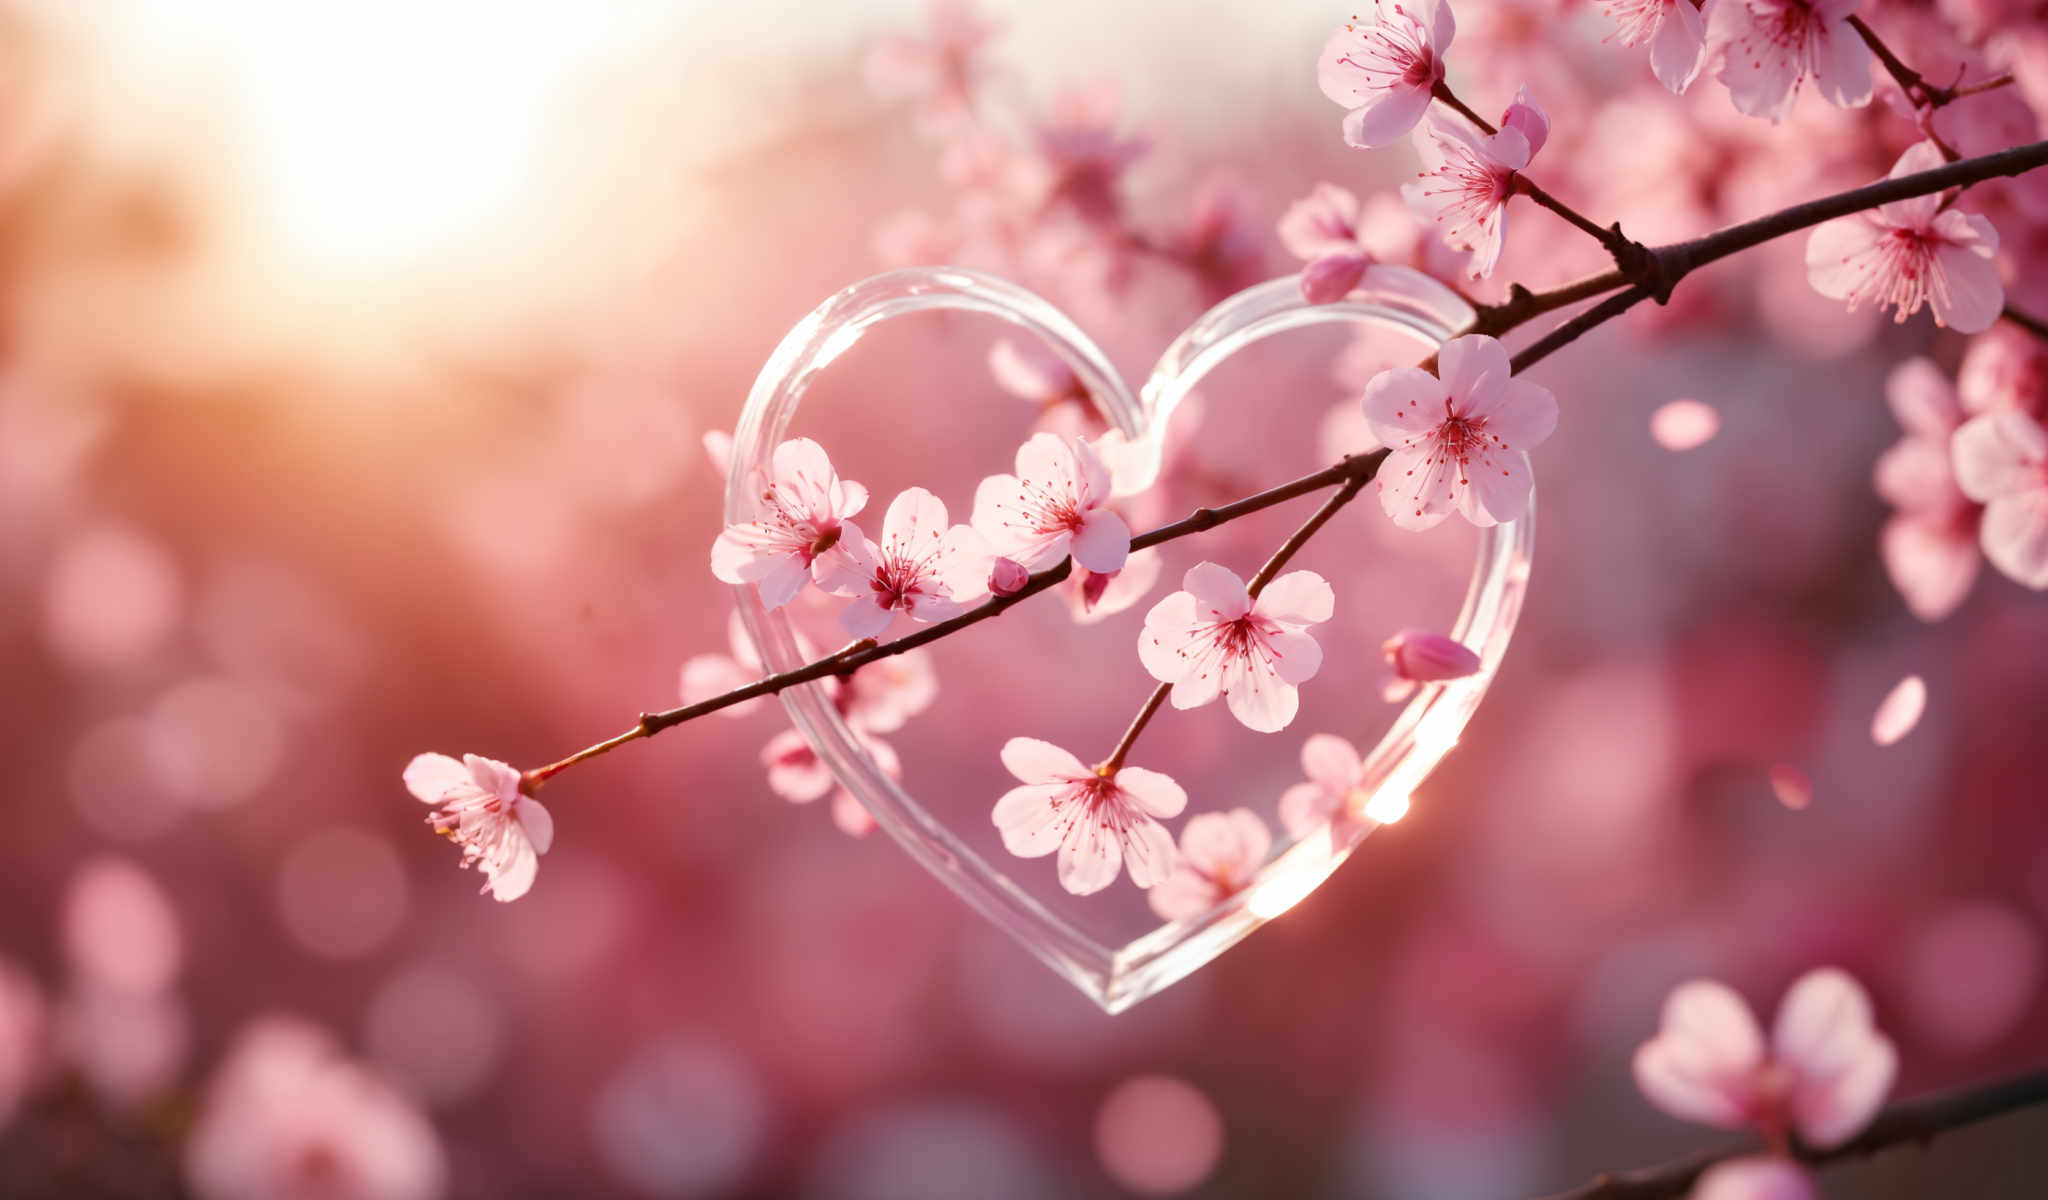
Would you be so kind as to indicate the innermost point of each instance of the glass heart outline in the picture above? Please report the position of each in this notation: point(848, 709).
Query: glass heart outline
point(1116, 978)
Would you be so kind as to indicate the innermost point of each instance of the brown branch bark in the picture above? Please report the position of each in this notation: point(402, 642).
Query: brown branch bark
point(1916, 1120)
point(1652, 277)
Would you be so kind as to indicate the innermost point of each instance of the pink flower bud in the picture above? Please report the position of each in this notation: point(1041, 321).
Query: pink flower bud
point(1007, 577)
point(1527, 117)
point(1425, 657)
point(1332, 277)
point(1093, 585)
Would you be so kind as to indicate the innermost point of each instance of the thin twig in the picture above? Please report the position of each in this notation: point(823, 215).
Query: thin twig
point(1915, 1120)
point(2027, 321)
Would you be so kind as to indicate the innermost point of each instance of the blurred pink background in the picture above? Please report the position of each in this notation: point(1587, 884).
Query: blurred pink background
point(354, 369)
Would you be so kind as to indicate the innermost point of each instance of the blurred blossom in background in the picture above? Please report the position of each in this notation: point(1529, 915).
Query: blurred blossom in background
point(356, 370)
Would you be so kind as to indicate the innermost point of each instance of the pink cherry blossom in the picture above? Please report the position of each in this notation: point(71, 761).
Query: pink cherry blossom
point(1930, 547)
point(1756, 1177)
point(921, 567)
point(798, 775)
point(709, 675)
point(1035, 374)
point(2004, 368)
point(1468, 178)
point(1909, 253)
point(1333, 277)
point(1823, 1073)
point(803, 532)
point(850, 816)
point(882, 695)
point(1215, 638)
point(1056, 504)
point(1082, 157)
point(1676, 31)
point(1099, 823)
point(289, 1116)
point(1322, 230)
point(1321, 224)
point(1335, 775)
point(1220, 855)
point(1384, 69)
point(478, 806)
point(937, 70)
point(1216, 243)
point(2001, 461)
point(1932, 558)
point(1767, 48)
point(1096, 596)
point(1457, 436)
point(1417, 656)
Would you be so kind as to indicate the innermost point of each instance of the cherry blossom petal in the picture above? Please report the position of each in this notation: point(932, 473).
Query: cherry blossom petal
point(1414, 489)
point(1922, 155)
point(1842, 66)
point(1475, 370)
point(1498, 488)
point(1915, 474)
point(1148, 853)
point(538, 823)
point(1154, 792)
point(1332, 277)
point(1232, 844)
point(914, 524)
point(1999, 452)
point(1089, 858)
point(1974, 296)
point(1523, 415)
point(1679, 48)
point(1825, 1034)
point(1929, 562)
point(515, 878)
point(1305, 806)
point(1183, 893)
point(1103, 541)
point(430, 777)
point(1756, 1177)
point(1527, 118)
point(1701, 1064)
point(865, 617)
point(1331, 761)
point(1296, 656)
point(1372, 126)
point(2015, 536)
point(493, 777)
point(1900, 711)
point(1030, 820)
point(1404, 401)
point(1257, 696)
point(1034, 761)
point(1325, 222)
point(850, 815)
point(1218, 592)
point(1297, 598)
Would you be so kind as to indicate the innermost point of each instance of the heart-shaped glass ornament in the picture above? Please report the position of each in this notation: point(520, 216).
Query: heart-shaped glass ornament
point(957, 844)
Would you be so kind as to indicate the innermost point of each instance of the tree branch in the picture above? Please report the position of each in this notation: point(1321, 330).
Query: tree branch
point(1653, 276)
point(1353, 472)
point(1915, 1120)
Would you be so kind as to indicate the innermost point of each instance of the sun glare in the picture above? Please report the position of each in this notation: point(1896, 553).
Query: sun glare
point(381, 133)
